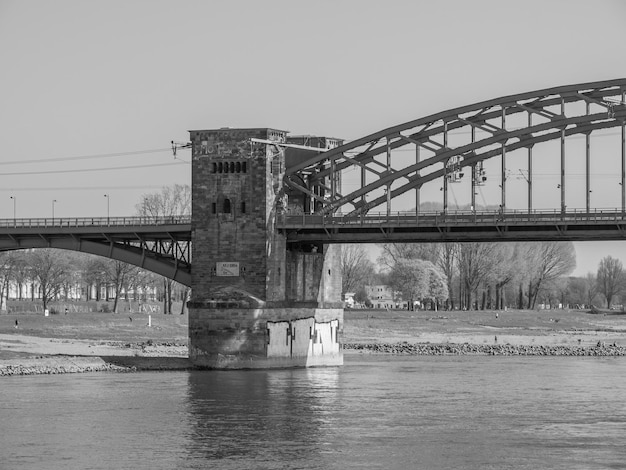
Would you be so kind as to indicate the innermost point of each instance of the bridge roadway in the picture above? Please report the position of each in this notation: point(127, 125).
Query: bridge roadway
point(457, 226)
point(163, 244)
point(158, 244)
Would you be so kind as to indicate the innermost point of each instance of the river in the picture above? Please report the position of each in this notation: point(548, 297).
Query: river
point(375, 412)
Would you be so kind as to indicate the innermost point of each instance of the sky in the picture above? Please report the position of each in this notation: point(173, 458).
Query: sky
point(92, 93)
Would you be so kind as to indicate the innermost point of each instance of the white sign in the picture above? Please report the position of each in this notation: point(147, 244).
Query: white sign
point(227, 269)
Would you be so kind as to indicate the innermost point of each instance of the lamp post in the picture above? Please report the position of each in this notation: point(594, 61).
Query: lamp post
point(53, 201)
point(108, 207)
point(14, 210)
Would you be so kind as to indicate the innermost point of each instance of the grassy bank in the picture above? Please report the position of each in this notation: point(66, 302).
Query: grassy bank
point(99, 326)
point(359, 325)
point(483, 327)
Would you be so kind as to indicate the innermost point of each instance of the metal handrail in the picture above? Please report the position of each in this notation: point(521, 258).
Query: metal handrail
point(456, 217)
point(59, 222)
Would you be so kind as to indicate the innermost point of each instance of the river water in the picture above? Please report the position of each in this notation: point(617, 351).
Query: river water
point(375, 412)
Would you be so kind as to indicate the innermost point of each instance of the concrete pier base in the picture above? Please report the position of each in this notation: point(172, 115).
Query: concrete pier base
point(263, 338)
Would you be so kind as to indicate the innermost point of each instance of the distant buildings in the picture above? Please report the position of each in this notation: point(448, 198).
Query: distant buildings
point(383, 296)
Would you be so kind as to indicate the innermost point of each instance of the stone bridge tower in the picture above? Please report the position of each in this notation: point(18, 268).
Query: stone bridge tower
point(256, 302)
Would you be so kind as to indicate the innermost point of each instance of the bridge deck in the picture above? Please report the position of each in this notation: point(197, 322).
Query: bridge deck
point(573, 225)
point(159, 244)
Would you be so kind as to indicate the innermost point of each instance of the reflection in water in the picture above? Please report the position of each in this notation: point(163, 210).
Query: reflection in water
point(267, 417)
point(376, 412)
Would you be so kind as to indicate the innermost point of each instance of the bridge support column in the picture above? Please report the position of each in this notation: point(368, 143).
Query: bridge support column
point(256, 303)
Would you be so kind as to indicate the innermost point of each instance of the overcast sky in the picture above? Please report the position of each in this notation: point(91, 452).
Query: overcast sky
point(106, 85)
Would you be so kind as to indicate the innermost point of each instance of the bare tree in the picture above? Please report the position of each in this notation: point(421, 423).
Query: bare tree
point(22, 272)
point(49, 270)
point(610, 278)
point(118, 274)
point(169, 202)
point(507, 261)
point(476, 262)
point(7, 270)
point(356, 267)
point(547, 262)
point(591, 288)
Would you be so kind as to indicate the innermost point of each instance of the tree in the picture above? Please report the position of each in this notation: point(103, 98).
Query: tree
point(7, 269)
point(507, 260)
point(476, 262)
point(547, 262)
point(170, 201)
point(591, 285)
point(418, 279)
point(21, 273)
point(49, 270)
point(119, 275)
point(361, 297)
point(576, 291)
point(437, 285)
point(393, 252)
point(356, 268)
point(610, 278)
point(448, 253)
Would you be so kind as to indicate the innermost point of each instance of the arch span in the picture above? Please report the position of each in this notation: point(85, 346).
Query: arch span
point(159, 246)
point(493, 128)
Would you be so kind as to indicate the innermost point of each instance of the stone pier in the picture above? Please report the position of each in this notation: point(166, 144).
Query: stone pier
point(256, 302)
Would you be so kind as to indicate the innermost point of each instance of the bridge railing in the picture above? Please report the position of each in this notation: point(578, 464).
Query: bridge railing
point(95, 221)
point(457, 217)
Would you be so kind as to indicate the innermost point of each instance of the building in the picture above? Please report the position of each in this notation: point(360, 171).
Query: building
point(383, 296)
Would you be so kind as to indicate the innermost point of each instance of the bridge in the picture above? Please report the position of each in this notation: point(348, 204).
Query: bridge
point(456, 226)
point(158, 244)
point(443, 148)
point(269, 210)
point(440, 148)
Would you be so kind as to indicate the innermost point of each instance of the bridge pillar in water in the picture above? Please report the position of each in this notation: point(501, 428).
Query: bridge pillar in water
point(256, 302)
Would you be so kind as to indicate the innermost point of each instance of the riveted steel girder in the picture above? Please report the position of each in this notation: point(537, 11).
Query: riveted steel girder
point(553, 114)
point(164, 249)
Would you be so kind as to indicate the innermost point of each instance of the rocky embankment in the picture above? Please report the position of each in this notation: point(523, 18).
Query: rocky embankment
point(58, 365)
point(427, 349)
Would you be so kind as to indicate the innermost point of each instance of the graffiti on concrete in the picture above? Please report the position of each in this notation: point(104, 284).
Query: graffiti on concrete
point(302, 338)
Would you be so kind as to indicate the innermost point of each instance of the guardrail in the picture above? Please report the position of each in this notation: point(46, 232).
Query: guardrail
point(64, 222)
point(459, 217)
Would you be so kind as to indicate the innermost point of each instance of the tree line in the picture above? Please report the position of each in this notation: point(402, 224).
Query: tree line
point(472, 276)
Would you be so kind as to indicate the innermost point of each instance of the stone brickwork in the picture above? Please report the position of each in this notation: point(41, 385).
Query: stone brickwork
point(244, 274)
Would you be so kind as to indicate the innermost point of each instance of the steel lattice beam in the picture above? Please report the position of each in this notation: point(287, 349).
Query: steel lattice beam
point(549, 108)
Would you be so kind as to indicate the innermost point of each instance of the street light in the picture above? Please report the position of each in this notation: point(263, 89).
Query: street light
point(14, 209)
point(53, 201)
point(108, 207)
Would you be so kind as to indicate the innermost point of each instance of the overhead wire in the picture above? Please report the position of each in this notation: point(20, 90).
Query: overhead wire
point(48, 172)
point(86, 157)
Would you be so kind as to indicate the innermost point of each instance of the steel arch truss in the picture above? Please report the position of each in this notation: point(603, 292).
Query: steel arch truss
point(493, 127)
point(165, 254)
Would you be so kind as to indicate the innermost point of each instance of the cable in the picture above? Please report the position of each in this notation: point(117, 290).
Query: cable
point(81, 188)
point(86, 157)
point(49, 172)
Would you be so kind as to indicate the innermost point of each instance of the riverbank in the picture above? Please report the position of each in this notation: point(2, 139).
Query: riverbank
point(447, 349)
point(89, 342)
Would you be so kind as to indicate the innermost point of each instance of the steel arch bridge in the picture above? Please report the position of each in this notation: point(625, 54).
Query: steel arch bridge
point(158, 244)
point(493, 129)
